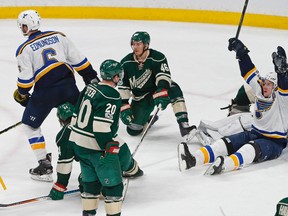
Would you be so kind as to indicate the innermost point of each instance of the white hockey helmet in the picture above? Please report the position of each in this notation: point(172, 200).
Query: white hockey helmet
point(272, 77)
point(31, 19)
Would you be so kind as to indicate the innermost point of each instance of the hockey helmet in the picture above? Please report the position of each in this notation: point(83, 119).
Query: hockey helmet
point(272, 77)
point(31, 19)
point(109, 68)
point(141, 36)
point(65, 111)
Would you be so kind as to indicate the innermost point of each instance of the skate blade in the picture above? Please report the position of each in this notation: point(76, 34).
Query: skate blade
point(210, 170)
point(181, 163)
point(44, 178)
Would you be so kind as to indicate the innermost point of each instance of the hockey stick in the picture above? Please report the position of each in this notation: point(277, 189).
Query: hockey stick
point(12, 126)
point(146, 129)
point(126, 180)
point(36, 199)
point(241, 19)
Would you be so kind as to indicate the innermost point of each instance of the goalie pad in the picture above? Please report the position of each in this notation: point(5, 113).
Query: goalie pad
point(209, 131)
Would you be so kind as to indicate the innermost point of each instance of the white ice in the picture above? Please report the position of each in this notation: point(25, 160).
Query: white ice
point(209, 76)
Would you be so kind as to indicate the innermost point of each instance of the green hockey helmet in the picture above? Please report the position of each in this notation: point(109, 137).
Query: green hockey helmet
point(109, 68)
point(65, 111)
point(141, 36)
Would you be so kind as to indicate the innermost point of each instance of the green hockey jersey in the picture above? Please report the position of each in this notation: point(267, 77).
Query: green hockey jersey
point(96, 117)
point(142, 78)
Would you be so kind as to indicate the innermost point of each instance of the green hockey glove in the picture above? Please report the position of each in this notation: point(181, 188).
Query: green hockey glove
point(57, 192)
point(126, 114)
point(111, 152)
point(21, 99)
point(161, 98)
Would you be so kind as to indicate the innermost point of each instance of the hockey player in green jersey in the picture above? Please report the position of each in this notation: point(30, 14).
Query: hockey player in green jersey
point(94, 127)
point(147, 80)
point(66, 155)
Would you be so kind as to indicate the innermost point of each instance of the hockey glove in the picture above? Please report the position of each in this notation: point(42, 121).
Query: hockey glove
point(21, 99)
point(280, 61)
point(126, 114)
point(57, 192)
point(237, 46)
point(161, 98)
point(111, 152)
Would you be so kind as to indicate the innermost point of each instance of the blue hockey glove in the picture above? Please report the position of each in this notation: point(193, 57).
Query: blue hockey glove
point(279, 60)
point(57, 192)
point(21, 99)
point(161, 98)
point(126, 114)
point(237, 46)
point(111, 152)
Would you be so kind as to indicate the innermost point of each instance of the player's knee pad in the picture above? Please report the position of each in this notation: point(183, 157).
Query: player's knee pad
point(113, 205)
point(134, 129)
point(89, 201)
point(92, 187)
point(229, 146)
point(257, 151)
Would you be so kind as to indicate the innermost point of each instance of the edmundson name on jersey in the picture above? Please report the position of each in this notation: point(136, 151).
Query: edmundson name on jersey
point(42, 43)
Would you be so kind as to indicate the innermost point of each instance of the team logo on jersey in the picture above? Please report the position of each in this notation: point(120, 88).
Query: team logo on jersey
point(141, 81)
point(262, 106)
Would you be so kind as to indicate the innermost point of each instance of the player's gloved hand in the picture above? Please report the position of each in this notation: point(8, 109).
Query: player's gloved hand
point(57, 192)
point(279, 60)
point(161, 98)
point(126, 114)
point(111, 152)
point(21, 99)
point(237, 46)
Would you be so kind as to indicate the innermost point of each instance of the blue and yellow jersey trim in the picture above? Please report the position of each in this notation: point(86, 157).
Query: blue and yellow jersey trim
point(40, 73)
point(273, 134)
point(82, 65)
point(250, 75)
point(34, 37)
point(283, 92)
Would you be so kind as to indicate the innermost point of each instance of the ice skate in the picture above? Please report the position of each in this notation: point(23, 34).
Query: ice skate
point(185, 159)
point(43, 172)
point(216, 167)
point(187, 132)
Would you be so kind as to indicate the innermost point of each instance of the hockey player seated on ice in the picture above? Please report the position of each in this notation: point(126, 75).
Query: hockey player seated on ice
point(66, 156)
point(268, 136)
point(147, 83)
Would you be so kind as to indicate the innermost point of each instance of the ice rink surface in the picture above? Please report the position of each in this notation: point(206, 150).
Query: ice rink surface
point(209, 76)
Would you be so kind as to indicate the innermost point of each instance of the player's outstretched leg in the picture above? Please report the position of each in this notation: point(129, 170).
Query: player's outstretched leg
point(185, 159)
point(216, 167)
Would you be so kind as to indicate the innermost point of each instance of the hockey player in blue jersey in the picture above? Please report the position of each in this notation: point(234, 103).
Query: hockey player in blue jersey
point(268, 136)
point(47, 61)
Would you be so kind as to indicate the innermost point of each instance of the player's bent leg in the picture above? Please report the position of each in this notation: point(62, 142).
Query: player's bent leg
point(90, 197)
point(113, 199)
point(134, 171)
point(134, 129)
point(89, 203)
